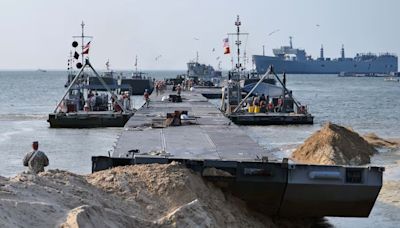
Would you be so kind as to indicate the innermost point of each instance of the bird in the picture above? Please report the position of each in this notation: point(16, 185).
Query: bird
point(195, 38)
point(158, 57)
point(317, 25)
point(276, 30)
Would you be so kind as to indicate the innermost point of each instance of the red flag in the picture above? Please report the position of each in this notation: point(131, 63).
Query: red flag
point(227, 50)
point(86, 48)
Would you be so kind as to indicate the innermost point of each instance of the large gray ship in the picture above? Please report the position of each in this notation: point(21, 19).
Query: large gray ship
point(295, 61)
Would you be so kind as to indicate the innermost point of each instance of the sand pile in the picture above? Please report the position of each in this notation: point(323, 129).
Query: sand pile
point(135, 196)
point(56, 197)
point(334, 145)
point(376, 141)
point(174, 196)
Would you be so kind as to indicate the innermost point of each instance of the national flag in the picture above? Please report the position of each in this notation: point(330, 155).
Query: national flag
point(227, 50)
point(86, 49)
point(76, 55)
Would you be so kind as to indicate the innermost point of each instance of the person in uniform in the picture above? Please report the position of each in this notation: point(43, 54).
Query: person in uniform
point(36, 160)
point(146, 97)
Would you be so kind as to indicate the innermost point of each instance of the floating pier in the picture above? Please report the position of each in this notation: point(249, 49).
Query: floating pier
point(207, 142)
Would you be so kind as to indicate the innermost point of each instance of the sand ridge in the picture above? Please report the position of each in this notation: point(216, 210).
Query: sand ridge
point(132, 196)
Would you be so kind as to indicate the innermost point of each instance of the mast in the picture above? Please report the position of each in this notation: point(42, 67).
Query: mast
point(82, 37)
point(136, 64)
point(342, 52)
point(321, 52)
point(70, 61)
point(290, 41)
point(238, 42)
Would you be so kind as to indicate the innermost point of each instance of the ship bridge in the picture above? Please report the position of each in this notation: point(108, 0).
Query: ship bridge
point(290, 53)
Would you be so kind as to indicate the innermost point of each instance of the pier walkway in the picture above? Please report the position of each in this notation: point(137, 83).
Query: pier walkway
point(208, 134)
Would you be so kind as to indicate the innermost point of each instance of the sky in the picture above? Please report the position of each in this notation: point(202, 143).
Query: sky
point(38, 33)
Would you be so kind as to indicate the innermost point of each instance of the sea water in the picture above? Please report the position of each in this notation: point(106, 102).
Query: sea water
point(27, 97)
point(365, 104)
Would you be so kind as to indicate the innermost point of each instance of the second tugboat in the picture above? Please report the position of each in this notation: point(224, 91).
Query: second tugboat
point(264, 104)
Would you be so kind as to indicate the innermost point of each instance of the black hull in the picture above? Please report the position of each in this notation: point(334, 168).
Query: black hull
point(282, 189)
point(138, 86)
point(260, 119)
point(88, 121)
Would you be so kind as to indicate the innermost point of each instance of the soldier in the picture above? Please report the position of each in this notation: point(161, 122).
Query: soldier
point(146, 97)
point(36, 160)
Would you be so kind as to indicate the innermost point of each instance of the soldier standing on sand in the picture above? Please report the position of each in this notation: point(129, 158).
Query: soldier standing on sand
point(36, 160)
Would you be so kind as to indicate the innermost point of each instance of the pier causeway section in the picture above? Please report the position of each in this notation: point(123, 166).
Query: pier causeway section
point(210, 144)
point(207, 134)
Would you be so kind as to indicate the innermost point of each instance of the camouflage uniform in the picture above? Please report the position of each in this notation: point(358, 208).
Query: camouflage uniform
point(36, 161)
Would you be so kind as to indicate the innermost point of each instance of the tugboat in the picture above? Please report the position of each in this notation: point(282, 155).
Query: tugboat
point(270, 105)
point(74, 111)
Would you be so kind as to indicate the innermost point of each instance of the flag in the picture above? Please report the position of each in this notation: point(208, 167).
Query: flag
point(76, 55)
point(108, 64)
point(227, 50)
point(86, 48)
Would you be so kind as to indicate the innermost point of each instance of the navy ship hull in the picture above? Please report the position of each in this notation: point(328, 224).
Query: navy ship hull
point(381, 64)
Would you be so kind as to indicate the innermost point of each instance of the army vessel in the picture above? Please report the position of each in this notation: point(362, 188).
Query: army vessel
point(296, 61)
point(202, 73)
point(275, 106)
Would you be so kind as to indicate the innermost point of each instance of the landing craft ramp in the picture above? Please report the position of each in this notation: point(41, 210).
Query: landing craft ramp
point(208, 143)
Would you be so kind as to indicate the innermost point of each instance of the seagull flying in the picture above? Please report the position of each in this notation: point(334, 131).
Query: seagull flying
point(276, 30)
point(158, 57)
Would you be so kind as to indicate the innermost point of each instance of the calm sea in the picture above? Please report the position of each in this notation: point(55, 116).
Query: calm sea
point(366, 104)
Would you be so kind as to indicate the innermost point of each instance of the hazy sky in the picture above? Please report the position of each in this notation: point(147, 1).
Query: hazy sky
point(38, 33)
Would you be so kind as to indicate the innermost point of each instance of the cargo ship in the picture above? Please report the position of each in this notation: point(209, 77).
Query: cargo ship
point(291, 60)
